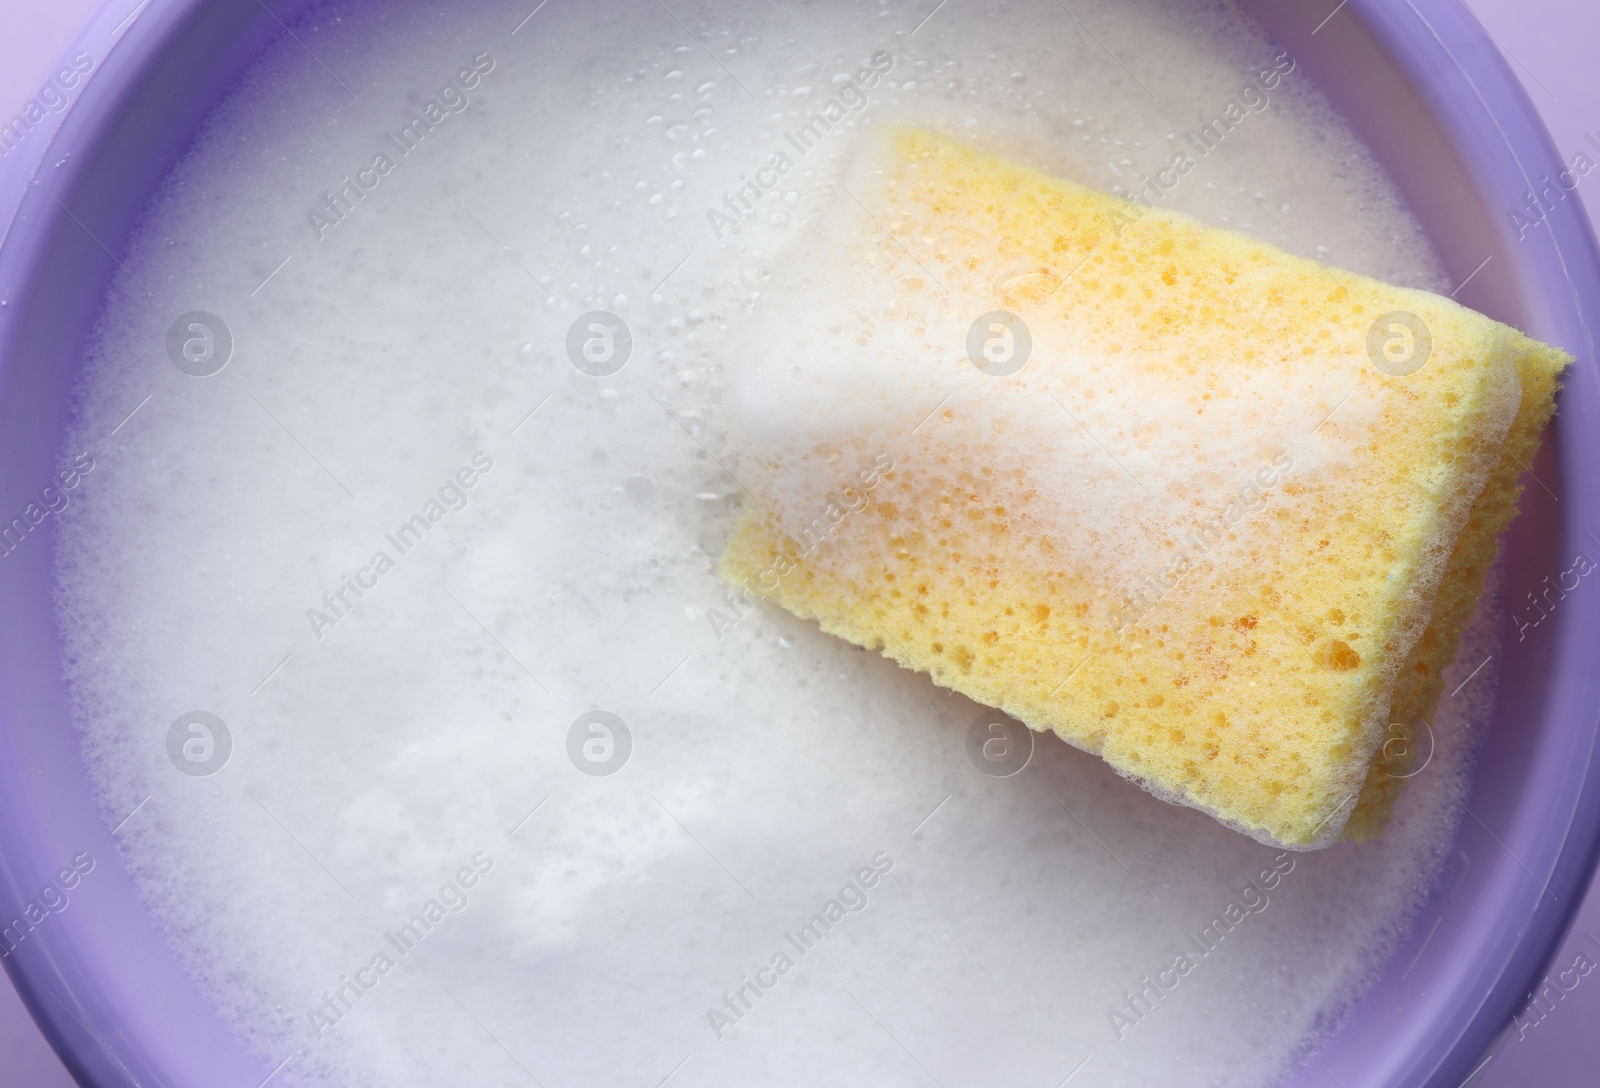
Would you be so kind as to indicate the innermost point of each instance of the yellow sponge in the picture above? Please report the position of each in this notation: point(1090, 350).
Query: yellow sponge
point(1421, 681)
point(1173, 493)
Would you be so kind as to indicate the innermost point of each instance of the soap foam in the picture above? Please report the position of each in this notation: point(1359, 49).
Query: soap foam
point(1135, 452)
point(770, 764)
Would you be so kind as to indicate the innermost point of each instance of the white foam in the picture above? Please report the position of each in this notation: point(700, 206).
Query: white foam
point(769, 765)
point(1116, 458)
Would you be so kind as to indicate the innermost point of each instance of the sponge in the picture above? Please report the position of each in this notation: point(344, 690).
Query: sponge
point(1179, 496)
point(1421, 680)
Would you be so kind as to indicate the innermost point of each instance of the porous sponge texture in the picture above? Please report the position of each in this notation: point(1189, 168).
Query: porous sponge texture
point(1421, 682)
point(1249, 672)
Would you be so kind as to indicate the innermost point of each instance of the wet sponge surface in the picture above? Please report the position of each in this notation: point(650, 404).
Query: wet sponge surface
point(1201, 531)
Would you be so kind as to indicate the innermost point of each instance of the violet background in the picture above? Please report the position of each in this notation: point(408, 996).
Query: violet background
point(1551, 45)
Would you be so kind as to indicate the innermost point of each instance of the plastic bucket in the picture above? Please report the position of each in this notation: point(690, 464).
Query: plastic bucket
point(1424, 86)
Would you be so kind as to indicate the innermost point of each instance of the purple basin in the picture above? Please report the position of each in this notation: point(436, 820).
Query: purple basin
point(1424, 86)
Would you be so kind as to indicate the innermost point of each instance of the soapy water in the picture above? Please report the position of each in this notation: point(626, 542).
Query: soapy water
point(448, 756)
